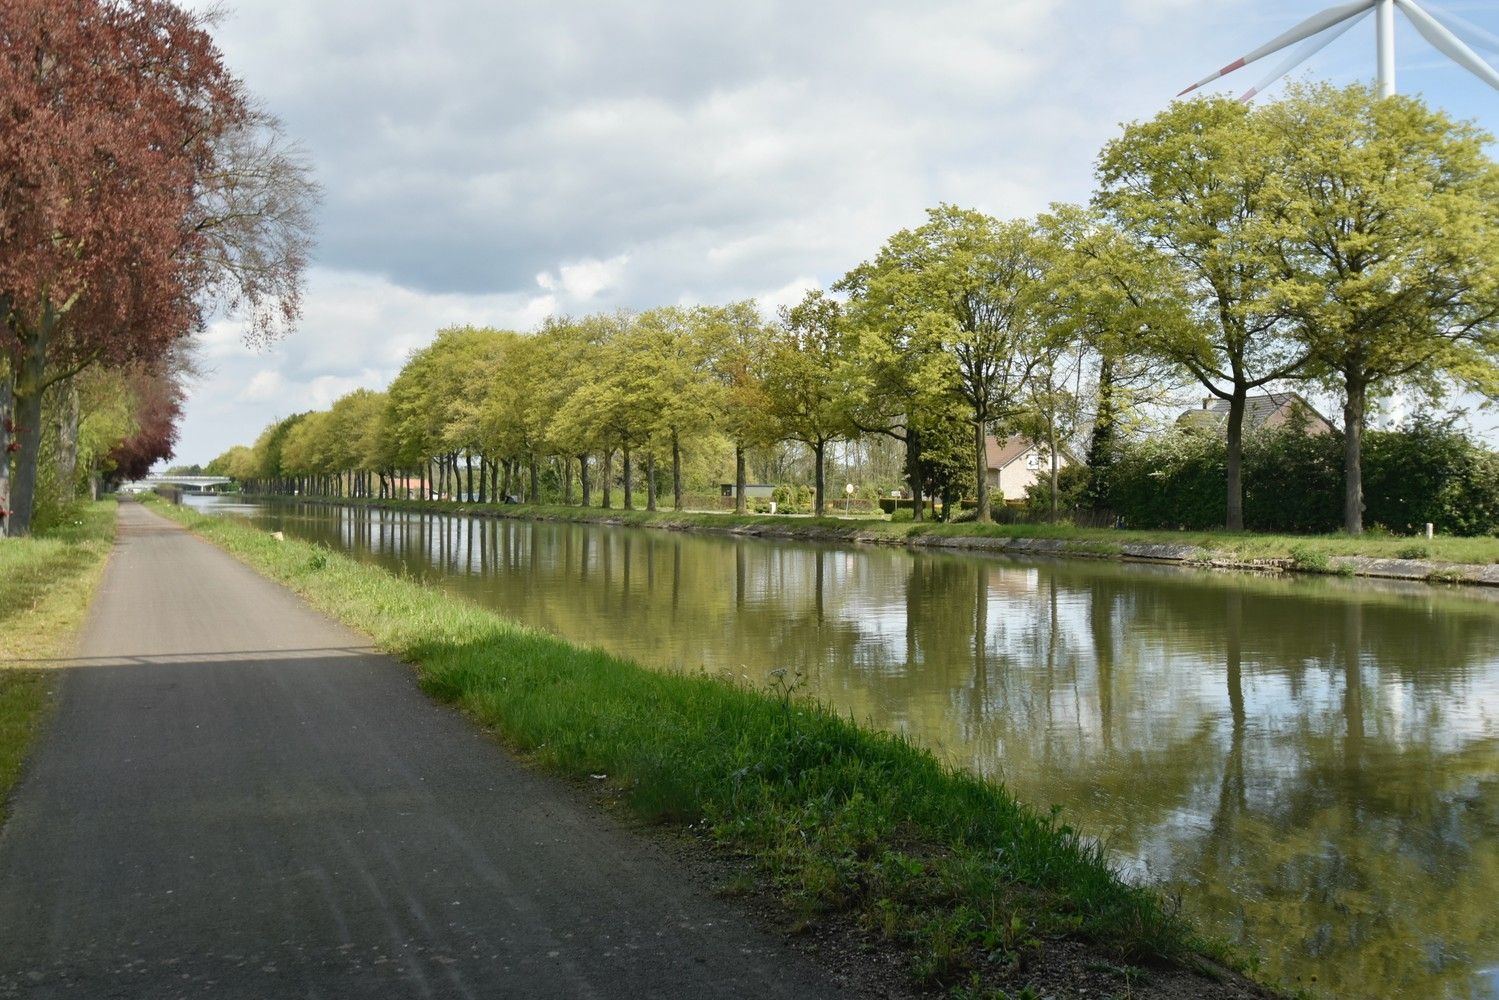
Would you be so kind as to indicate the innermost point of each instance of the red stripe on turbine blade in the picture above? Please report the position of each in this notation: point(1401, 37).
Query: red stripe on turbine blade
point(1247, 96)
point(1236, 64)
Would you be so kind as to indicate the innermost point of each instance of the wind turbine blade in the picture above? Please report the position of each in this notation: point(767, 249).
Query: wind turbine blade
point(1306, 29)
point(1465, 29)
point(1449, 44)
point(1302, 54)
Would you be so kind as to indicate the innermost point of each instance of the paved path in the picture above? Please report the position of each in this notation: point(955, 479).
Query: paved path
point(238, 799)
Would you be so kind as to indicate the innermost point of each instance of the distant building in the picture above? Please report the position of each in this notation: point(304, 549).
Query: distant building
point(752, 491)
point(1261, 413)
point(1018, 462)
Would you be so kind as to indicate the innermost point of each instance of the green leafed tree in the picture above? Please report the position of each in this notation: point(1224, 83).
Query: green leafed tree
point(1105, 299)
point(569, 357)
point(675, 356)
point(1387, 213)
point(973, 288)
point(738, 340)
point(1194, 189)
point(804, 381)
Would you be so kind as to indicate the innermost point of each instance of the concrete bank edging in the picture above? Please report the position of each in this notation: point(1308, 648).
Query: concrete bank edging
point(1160, 553)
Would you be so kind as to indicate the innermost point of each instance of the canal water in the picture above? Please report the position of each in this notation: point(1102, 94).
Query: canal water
point(1312, 764)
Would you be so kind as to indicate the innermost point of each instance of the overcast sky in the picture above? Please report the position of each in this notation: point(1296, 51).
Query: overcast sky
point(493, 163)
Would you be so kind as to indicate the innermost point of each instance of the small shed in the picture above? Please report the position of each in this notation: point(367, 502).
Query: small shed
point(752, 491)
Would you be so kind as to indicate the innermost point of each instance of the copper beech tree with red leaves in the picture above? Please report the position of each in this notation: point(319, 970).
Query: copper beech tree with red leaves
point(138, 187)
point(159, 403)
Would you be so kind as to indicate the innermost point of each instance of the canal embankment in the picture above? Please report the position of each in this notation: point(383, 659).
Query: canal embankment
point(839, 823)
point(1444, 560)
point(46, 584)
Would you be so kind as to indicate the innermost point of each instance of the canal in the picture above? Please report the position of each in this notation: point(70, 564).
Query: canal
point(1312, 764)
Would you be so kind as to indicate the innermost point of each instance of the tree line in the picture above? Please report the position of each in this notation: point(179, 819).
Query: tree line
point(142, 189)
point(1331, 238)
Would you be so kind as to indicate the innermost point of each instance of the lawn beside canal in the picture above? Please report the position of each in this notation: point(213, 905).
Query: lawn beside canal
point(839, 821)
point(1432, 558)
point(46, 583)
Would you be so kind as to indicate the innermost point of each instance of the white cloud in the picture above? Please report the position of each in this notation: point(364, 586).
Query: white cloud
point(262, 386)
point(357, 332)
point(583, 280)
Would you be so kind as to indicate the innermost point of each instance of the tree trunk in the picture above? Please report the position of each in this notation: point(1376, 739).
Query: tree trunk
point(629, 484)
point(1105, 432)
point(676, 472)
point(1235, 519)
point(584, 482)
point(913, 472)
point(1051, 445)
point(606, 475)
point(27, 409)
point(535, 482)
point(567, 480)
point(739, 501)
point(67, 443)
point(1353, 465)
point(468, 462)
point(819, 480)
point(982, 511)
point(650, 480)
point(7, 428)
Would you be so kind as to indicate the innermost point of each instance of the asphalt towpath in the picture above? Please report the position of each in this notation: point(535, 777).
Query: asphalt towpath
point(238, 798)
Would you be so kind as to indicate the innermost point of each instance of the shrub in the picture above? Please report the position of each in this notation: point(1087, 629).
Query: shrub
point(1430, 472)
point(1293, 482)
point(1309, 560)
point(1072, 490)
point(797, 499)
point(903, 514)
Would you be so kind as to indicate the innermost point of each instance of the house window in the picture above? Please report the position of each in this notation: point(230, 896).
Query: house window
point(1033, 461)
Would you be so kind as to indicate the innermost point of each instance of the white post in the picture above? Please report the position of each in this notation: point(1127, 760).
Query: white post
point(1430, 529)
point(1385, 31)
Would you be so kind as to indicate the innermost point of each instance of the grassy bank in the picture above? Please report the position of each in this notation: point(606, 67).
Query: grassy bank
point(836, 818)
point(1304, 552)
point(46, 583)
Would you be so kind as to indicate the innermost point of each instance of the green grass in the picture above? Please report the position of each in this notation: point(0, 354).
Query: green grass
point(1291, 551)
point(46, 583)
point(836, 818)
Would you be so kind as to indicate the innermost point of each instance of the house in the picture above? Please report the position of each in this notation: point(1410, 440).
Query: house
point(1017, 462)
point(1261, 413)
point(752, 491)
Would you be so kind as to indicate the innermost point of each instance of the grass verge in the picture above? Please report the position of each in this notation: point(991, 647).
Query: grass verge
point(1289, 551)
point(836, 818)
point(46, 583)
